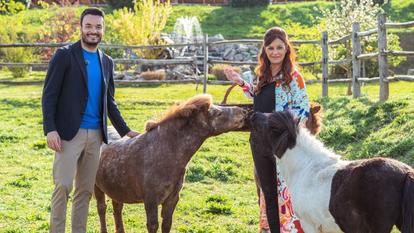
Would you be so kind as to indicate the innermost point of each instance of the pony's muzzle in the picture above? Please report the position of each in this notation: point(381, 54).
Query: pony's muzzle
point(258, 121)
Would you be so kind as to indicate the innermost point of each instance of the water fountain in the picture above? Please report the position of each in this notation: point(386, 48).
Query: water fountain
point(187, 30)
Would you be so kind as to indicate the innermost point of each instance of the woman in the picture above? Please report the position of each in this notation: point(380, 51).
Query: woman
point(280, 87)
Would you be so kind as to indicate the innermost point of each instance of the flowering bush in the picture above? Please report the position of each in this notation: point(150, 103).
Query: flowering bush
point(143, 26)
point(338, 23)
point(18, 33)
point(61, 27)
point(10, 6)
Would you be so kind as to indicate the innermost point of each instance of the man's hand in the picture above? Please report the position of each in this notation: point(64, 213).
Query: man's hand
point(132, 134)
point(53, 141)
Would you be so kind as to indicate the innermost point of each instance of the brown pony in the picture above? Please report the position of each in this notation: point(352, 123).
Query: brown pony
point(150, 168)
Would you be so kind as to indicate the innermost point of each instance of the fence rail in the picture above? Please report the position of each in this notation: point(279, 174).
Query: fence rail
point(400, 25)
point(148, 62)
point(367, 33)
point(340, 40)
point(381, 54)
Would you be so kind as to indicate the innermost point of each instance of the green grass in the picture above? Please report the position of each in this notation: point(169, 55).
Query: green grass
point(252, 22)
point(400, 10)
point(249, 22)
point(219, 192)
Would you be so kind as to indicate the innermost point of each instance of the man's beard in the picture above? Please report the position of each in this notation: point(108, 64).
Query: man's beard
point(89, 43)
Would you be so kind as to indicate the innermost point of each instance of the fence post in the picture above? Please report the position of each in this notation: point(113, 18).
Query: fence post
point(382, 58)
point(196, 73)
point(325, 58)
point(356, 64)
point(205, 62)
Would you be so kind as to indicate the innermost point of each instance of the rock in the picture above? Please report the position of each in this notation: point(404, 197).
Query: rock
point(179, 72)
point(229, 55)
point(217, 37)
point(243, 48)
point(238, 57)
point(130, 77)
point(119, 76)
point(246, 56)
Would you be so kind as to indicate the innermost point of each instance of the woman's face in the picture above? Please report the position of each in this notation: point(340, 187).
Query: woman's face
point(276, 51)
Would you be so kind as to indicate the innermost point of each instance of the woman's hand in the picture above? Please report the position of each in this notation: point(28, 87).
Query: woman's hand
point(233, 76)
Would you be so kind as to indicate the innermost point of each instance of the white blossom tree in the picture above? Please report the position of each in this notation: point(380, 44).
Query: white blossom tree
point(337, 21)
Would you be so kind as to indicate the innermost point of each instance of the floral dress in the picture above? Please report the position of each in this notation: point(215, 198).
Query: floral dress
point(292, 97)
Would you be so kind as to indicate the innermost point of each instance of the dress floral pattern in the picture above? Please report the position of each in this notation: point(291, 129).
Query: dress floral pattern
point(292, 97)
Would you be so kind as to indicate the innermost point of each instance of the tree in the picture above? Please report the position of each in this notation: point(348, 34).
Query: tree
point(338, 21)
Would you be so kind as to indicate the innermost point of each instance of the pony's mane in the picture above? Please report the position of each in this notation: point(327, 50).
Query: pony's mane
point(291, 135)
point(286, 128)
point(314, 146)
point(184, 110)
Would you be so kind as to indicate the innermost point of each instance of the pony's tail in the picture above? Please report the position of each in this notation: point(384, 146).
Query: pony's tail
point(408, 204)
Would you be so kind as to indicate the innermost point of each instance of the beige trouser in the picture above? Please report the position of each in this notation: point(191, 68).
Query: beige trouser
point(78, 159)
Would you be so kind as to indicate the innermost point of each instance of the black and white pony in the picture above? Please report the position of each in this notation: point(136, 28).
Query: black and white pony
point(331, 195)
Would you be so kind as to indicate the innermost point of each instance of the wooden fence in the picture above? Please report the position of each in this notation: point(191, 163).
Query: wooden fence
point(381, 54)
point(355, 60)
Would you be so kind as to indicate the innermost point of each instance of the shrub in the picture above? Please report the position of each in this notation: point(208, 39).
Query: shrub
point(248, 3)
point(10, 6)
point(195, 173)
point(18, 33)
point(218, 205)
point(117, 4)
point(218, 70)
point(62, 27)
point(221, 172)
point(154, 75)
point(143, 26)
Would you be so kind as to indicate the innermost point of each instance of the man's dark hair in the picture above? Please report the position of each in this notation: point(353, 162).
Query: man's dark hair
point(91, 11)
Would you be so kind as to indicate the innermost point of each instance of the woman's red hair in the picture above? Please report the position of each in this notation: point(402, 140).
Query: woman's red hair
point(263, 71)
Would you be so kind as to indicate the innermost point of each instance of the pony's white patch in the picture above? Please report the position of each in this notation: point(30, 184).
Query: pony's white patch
point(308, 169)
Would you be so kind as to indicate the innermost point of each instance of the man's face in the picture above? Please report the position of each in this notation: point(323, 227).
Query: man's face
point(92, 30)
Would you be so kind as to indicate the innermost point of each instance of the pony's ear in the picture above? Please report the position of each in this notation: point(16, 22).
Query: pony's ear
point(194, 109)
point(149, 125)
point(315, 108)
point(205, 107)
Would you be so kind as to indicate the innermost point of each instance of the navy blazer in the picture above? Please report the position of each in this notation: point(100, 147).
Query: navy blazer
point(65, 93)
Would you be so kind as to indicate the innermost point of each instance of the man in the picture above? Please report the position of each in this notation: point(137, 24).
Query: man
point(77, 98)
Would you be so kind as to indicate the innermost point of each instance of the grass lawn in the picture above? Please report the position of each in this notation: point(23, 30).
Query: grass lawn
point(222, 168)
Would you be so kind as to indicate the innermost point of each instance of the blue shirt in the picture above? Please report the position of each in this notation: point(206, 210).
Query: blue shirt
point(92, 117)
